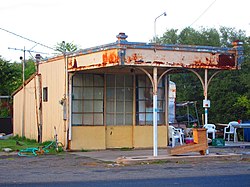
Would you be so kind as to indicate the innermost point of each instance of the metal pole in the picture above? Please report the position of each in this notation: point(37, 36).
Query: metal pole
point(163, 14)
point(155, 133)
point(205, 95)
point(23, 117)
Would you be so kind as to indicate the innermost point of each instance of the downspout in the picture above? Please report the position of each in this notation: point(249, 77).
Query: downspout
point(66, 102)
point(69, 111)
point(38, 102)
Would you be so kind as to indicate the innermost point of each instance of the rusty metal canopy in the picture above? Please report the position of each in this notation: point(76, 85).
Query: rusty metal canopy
point(133, 54)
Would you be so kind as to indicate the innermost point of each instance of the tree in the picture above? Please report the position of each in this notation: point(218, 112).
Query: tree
point(229, 90)
point(10, 75)
point(66, 47)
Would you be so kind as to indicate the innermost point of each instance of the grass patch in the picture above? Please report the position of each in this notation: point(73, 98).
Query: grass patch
point(18, 143)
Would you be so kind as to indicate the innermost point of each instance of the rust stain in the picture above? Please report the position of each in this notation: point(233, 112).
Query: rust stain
point(72, 63)
point(158, 63)
point(136, 58)
point(109, 58)
point(93, 66)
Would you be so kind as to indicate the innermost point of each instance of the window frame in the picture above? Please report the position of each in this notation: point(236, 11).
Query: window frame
point(45, 94)
point(144, 101)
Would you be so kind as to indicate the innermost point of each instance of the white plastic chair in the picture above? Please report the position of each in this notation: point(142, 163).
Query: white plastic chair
point(230, 130)
point(210, 129)
point(174, 133)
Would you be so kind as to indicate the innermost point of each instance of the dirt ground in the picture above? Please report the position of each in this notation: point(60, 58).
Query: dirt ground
point(71, 167)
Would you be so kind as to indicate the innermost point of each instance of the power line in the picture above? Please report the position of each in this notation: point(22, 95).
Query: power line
point(27, 39)
point(203, 12)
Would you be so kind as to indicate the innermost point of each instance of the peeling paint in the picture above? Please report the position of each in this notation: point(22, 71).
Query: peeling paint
point(127, 53)
point(109, 57)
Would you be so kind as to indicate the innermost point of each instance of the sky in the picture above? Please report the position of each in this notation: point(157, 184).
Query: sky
point(97, 22)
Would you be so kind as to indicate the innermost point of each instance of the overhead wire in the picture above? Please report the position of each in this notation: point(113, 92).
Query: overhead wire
point(38, 43)
point(203, 13)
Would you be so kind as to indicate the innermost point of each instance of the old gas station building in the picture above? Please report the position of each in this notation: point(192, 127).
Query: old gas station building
point(113, 95)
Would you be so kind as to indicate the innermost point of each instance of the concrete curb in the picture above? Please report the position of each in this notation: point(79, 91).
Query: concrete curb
point(185, 158)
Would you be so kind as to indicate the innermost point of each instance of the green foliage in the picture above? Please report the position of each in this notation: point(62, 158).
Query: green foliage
point(243, 102)
point(229, 90)
point(17, 143)
point(30, 68)
point(9, 76)
point(66, 47)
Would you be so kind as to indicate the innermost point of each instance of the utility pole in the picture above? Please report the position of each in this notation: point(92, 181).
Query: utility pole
point(155, 110)
point(23, 60)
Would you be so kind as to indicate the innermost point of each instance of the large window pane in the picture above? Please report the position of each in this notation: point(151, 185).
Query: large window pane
point(120, 119)
point(141, 81)
point(77, 106)
point(120, 94)
point(88, 93)
point(160, 93)
point(110, 119)
point(98, 80)
point(98, 119)
point(129, 81)
point(142, 118)
point(144, 101)
point(128, 94)
point(98, 93)
point(110, 106)
point(141, 106)
point(129, 119)
point(88, 80)
point(149, 118)
point(88, 106)
point(88, 119)
point(77, 119)
point(77, 80)
point(98, 106)
point(129, 107)
point(110, 81)
point(119, 106)
point(120, 81)
point(119, 99)
point(77, 92)
point(87, 99)
point(110, 93)
point(160, 118)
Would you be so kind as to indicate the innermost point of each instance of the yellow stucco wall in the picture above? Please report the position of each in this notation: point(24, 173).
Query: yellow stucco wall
point(119, 136)
point(100, 137)
point(88, 137)
point(143, 136)
point(30, 122)
point(17, 113)
point(53, 77)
